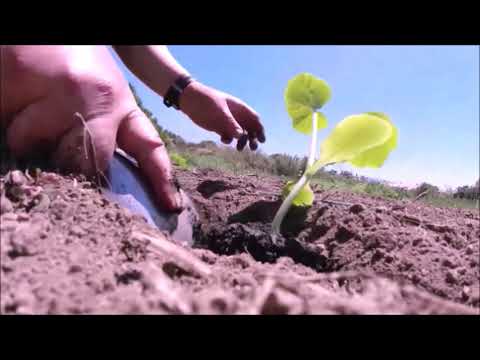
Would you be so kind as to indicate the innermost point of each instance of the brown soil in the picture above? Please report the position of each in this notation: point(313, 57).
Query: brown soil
point(66, 249)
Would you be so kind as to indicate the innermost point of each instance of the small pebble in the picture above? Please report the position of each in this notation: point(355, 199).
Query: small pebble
point(42, 203)
point(16, 177)
point(75, 269)
point(357, 208)
point(406, 265)
point(469, 250)
point(73, 195)
point(415, 279)
point(417, 241)
point(451, 277)
point(378, 254)
point(76, 231)
point(449, 263)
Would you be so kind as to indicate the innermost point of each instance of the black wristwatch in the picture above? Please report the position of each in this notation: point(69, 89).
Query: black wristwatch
point(172, 97)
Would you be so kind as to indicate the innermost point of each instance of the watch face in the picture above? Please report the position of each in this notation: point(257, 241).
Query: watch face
point(167, 102)
point(175, 91)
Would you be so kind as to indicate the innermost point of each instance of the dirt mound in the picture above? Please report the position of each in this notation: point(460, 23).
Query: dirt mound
point(434, 249)
point(66, 249)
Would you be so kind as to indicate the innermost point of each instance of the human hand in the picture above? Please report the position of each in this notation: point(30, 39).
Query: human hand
point(45, 86)
point(223, 114)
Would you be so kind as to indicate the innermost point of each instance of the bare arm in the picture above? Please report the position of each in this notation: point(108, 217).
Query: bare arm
point(211, 109)
point(153, 64)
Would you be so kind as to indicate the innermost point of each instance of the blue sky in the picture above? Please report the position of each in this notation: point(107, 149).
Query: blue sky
point(430, 92)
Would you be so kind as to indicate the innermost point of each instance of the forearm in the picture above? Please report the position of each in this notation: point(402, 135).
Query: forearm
point(154, 65)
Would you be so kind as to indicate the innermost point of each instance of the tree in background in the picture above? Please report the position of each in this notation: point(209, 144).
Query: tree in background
point(468, 192)
point(287, 165)
point(426, 188)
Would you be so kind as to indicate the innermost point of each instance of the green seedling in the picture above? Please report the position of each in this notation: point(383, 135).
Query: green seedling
point(362, 140)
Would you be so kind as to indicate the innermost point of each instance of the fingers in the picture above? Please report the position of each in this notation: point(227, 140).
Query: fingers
point(250, 138)
point(226, 140)
point(252, 141)
point(36, 126)
point(232, 129)
point(138, 137)
point(248, 119)
point(242, 142)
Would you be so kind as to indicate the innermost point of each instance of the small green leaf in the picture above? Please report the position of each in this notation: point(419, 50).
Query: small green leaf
point(304, 197)
point(321, 121)
point(304, 95)
point(363, 140)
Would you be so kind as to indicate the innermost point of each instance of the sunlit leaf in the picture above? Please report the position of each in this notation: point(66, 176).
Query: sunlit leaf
point(362, 140)
point(376, 156)
point(304, 197)
point(305, 94)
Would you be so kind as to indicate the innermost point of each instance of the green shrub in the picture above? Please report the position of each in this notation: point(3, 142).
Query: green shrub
point(210, 162)
point(179, 160)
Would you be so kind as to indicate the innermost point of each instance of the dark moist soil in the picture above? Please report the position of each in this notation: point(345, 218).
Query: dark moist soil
point(67, 250)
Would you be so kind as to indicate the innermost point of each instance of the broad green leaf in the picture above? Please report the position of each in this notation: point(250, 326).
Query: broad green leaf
point(376, 156)
point(304, 197)
point(304, 95)
point(362, 140)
